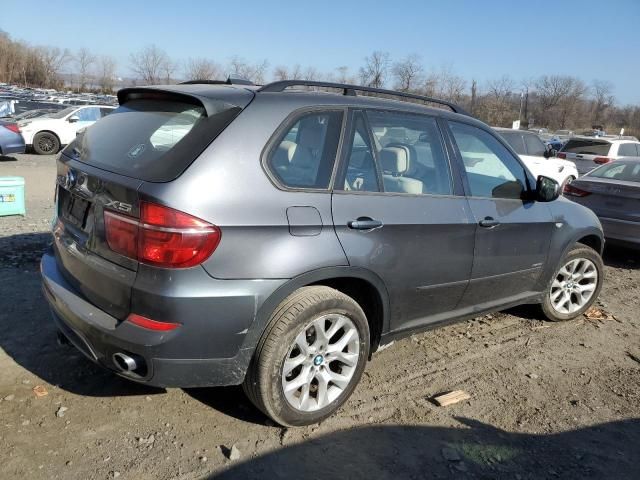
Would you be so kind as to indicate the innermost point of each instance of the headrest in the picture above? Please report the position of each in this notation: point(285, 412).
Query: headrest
point(286, 149)
point(394, 160)
point(311, 133)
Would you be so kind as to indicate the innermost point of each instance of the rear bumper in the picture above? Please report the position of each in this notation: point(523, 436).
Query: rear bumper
point(621, 231)
point(13, 144)
point(166, 356)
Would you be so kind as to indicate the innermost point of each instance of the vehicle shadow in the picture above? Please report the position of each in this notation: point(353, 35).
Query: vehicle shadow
point(618, 256)
point(229, 400)
point(477, 450)
point(29, 336)
point(7, 158)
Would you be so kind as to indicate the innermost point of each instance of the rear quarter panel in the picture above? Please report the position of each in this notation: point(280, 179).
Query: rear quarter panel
point(228, 187)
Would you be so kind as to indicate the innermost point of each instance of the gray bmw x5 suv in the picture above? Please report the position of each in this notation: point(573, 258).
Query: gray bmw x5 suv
point(276, 236)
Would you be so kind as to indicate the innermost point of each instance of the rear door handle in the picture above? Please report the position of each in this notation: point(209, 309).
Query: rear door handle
point(488, 222)
point(364, 223)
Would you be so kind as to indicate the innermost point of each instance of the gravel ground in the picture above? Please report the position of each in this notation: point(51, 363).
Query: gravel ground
point(547, 400)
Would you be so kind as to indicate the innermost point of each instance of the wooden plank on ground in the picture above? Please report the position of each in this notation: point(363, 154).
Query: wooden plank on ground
point(451, 398)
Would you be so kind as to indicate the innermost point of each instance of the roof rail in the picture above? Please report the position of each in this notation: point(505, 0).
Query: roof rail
point(228, 81)
point(352, 89)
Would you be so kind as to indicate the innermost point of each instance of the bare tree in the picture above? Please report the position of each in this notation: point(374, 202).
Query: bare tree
point(253, 72)
point(149, 64)
point(169, 67)
point(52, 59)
point(407, 73)
point(452, 86)
point(375, 69)
point(602, 100)
point(281, 73)
point(107, 72)
point(202, 69)
point(343, 75)
point(84, 60)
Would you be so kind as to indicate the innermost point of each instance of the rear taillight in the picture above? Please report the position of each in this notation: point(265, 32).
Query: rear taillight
point(150, 324)
point(13, 127)
point(602, 160)
point(562, 155)
point(163, 237)
point(573, 191)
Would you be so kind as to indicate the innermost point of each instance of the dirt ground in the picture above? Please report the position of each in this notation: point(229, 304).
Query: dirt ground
point(547, 400)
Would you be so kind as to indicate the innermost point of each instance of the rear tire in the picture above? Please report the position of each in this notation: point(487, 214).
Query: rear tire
point(46, 143)
point(302, 370)
point(566, 182)
point(575, 285)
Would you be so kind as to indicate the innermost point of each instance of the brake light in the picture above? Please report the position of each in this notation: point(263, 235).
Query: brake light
point(602, 160)
point(149, 324)
point(13, 127)
point(573, 191)
point(162, 237)
point(561, 155)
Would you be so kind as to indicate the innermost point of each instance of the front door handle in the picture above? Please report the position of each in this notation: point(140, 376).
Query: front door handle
point(488, 222)
point(364, 223)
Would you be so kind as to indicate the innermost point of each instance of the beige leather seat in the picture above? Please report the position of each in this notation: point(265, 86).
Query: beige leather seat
point(396, 163)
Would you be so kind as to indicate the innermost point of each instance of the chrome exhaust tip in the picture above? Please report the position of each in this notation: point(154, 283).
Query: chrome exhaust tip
point(124, 362)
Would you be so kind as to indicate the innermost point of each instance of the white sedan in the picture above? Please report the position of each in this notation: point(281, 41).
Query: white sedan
point(47, 134)
point(537, 157)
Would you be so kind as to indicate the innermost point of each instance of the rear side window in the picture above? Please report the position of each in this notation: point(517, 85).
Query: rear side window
point(304, 154)
point(150, 139)
point(587, 147)
point(628, 150)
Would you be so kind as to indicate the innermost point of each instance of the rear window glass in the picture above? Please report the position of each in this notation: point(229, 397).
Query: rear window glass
point(535, 147)
point(628, 172)
point(149, 139)
point(587, 147)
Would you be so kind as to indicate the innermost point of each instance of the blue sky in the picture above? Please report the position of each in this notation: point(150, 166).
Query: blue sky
point(479, 39)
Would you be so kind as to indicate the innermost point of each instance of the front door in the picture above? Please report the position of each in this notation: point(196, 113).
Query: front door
point(396, 214)
point(512, 233)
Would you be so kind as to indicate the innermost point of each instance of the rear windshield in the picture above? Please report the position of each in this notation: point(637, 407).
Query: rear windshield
point(150, 139)
point(628, 172)
point(587, 147)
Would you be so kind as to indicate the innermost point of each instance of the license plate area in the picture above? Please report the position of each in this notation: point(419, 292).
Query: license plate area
point(73, 209)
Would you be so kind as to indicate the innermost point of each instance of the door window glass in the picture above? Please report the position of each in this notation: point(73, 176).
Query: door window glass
point(492, 171)
point(89, 114)
point(361, 172)
point(535, 147)
point(627, 150)
point(411, 155)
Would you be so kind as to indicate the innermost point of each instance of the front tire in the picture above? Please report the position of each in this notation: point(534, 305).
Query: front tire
point(310, 358)
point(575, 285)
point(46, 143)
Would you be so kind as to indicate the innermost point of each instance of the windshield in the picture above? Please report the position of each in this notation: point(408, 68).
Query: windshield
point(625, 171)
point(62, 113)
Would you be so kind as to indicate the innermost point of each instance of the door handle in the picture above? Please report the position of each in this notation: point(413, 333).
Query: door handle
point(488, 222)
point(364, 223)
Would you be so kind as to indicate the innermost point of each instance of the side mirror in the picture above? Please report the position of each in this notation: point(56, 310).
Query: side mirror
point(547, 189)
point(73, 119)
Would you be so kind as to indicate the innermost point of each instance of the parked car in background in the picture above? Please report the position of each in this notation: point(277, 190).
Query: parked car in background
point(11, 140)
point(555, 143)
point(612, 191)
point(277, 238)
point(46, 135)
point(25, 115)
point(563, 133)
point(589, 152)
point(538, 157)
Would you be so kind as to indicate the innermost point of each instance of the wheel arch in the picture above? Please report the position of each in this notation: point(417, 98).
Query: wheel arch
point(33, 139)
point(365, 287)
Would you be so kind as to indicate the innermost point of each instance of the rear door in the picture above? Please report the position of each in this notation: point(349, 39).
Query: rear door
point(586, 153)
point(399, 213)
point(144, 140)
point(512, 235)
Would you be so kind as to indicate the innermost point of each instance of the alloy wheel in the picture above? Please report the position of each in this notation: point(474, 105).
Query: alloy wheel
point(574, 285)
point(321, 362)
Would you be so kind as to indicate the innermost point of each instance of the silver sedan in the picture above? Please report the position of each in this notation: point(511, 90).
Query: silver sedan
point(612, 191)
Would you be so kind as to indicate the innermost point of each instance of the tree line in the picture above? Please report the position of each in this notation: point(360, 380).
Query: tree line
point(550, 100)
